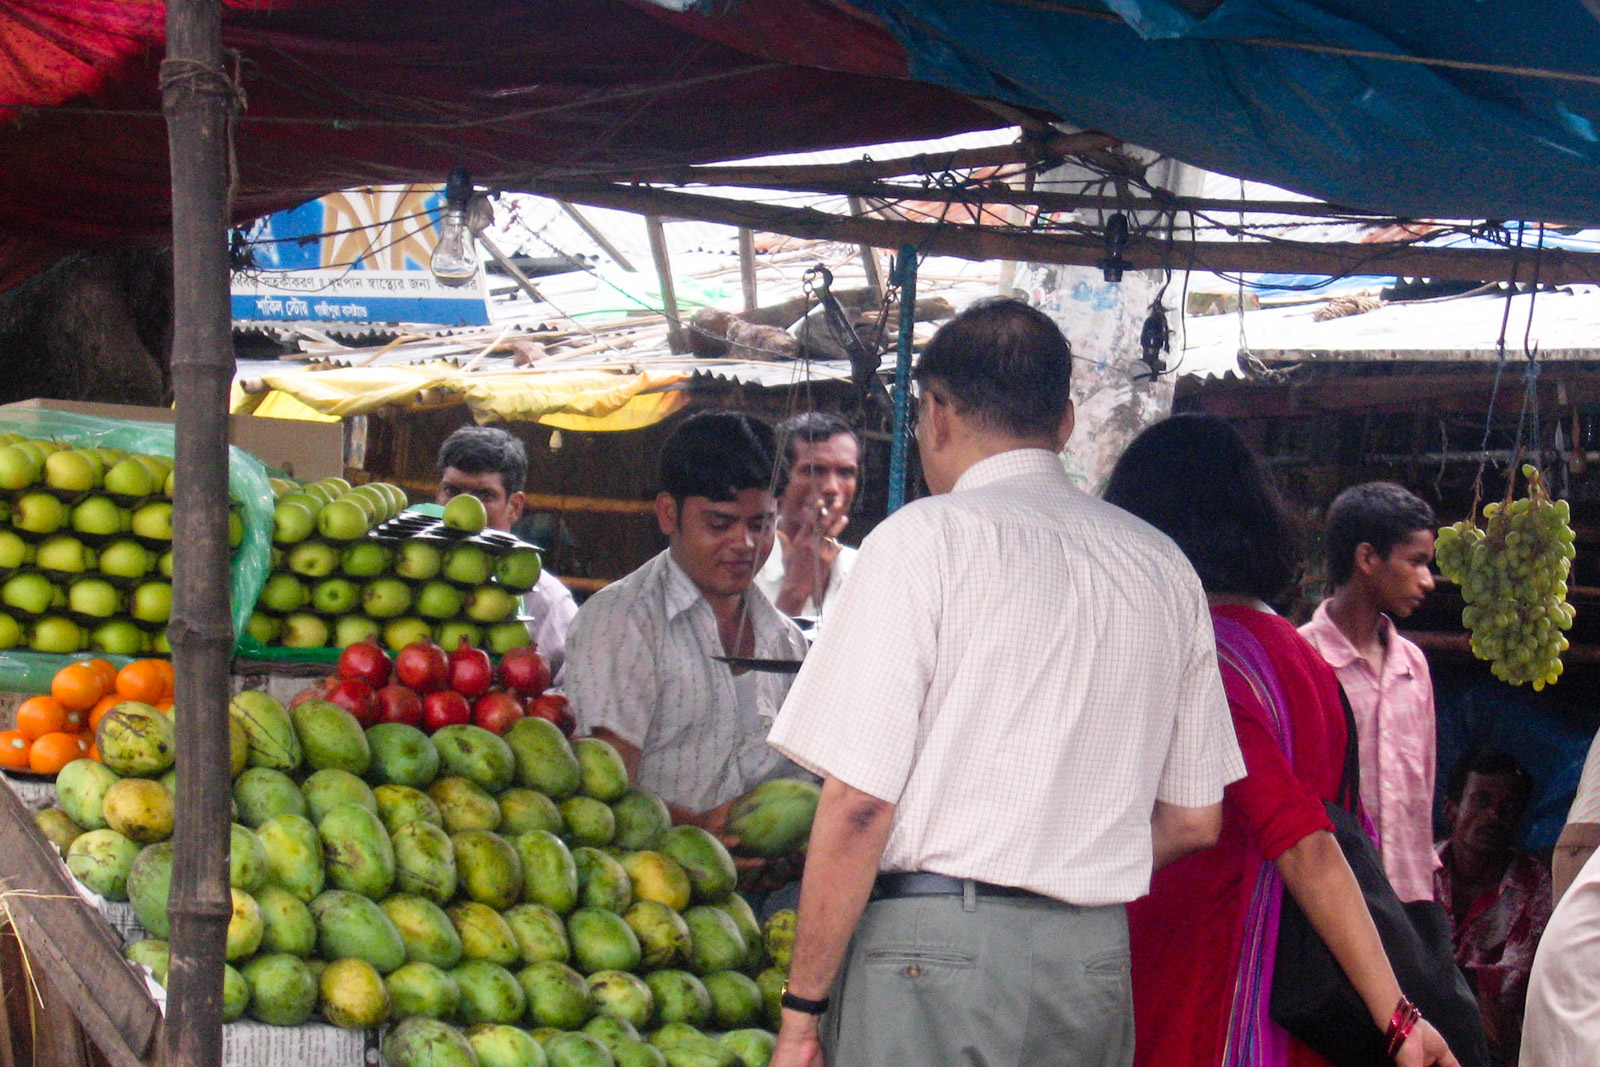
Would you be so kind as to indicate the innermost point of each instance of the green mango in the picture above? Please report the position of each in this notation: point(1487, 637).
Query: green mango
point(293, 849)
point(259, 793)
point(637, 1054)
point(577, 1050)
point(489, 868)
point(540, 933)
point(498, 1045)
point(353, 996)
point(588, 822)
point(136, 741)
point(247, 859)
point(611, 1031)
point(522, 810)
point(770, 982)
point(671, 1034)
point(283, 991)
point(680, 997)
point(235, 994)
point(778, 934)
point(81, 791)
point(473, 753)
point(268, 730)
point(557, 995)
point(401, 804)
point(330, 787)
point(484, 932)
point(424, 861)
point(774, 818)
point(153, 953)
point(704, 859)
point(464, 805)
point(601, 772)
point(149, 885)
point(549, 873)
point(703, 1052)
point(744, 917)
point(401, 755)
point(602, 880)
point(348, 924)
point(621, 995)
point(356, 851)
point(331, 737)
point(657, 876)
point(489, 993)
point(286, 922)
point(57, 827)
point(602, 941)
point(715, 941)
point(641, 819)
point(246, 928)
point(663, 935)
point(752, 1045)
point(418, 1041)
point(735, 1000)
point(102, 860)
point(429, 935)
point(418, 988)
point(544, 759)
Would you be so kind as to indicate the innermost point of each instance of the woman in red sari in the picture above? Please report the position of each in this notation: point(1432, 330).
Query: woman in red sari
point(1203, 940)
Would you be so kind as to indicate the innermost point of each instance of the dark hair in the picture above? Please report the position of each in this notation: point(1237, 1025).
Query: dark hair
point(1006, 365)
point(1485, 760)
point(486, 450)
point(1193, 478)
point(1381, 514)
point(718, 455)
point(812, 427)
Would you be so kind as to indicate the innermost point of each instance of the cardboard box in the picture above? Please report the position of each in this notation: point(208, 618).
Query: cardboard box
point(307, 450)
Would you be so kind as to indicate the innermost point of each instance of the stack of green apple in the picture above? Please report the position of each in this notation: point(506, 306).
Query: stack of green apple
point(332, 585)
point(86, 548)
point(517, 888)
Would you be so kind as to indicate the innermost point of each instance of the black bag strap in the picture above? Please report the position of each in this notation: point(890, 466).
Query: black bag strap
point(1350, 780)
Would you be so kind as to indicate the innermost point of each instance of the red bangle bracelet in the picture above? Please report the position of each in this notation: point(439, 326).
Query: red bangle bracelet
point(1400, 1024)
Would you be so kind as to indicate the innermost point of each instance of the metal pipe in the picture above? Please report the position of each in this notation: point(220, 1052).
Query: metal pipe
point(906, 274)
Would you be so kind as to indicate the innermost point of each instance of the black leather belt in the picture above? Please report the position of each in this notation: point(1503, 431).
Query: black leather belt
point(891, 884)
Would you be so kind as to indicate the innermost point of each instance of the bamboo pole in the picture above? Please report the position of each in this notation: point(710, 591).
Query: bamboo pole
point(198, 98)
point(669, 297)
point(747, 267)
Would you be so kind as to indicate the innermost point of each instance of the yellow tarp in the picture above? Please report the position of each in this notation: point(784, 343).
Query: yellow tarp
point(576, 400)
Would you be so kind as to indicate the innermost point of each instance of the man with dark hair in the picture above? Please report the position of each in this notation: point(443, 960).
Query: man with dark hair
point(1379, 542)
point(640, 666)
point(492, 465)
point(1017, 713)
point(822, 471)
point(1497, 896)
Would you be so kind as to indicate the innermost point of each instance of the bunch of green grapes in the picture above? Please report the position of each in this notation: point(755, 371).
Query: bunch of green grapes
point(1513, 577)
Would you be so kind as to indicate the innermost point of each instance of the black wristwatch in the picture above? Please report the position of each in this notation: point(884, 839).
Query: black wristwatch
point(794, 1003)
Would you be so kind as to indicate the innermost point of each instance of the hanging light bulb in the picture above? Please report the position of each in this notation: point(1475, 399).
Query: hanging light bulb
point(455, 257)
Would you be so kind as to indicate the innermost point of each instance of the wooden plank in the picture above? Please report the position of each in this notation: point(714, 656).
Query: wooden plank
point(669, 296)
point(747, 267)
point(71, 944)
point(869, 258)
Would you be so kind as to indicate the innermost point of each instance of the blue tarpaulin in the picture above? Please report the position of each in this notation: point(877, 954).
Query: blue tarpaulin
point(1234, 91)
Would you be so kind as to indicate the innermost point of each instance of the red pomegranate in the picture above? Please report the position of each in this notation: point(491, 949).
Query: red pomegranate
point(553, 706)
point(356, 697)
point(445, 708)
point(525, 672)
point(471, 673)
point(396, 703)
point(366, 661)
point(423, 666)
point(496, 710)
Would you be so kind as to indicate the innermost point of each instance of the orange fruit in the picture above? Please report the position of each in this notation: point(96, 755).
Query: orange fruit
point(165, 706)
point(77, 686)
point(54, 751)
point(164, 667)
point(142, 680)
point(98, 712)
point(38, 716)
point(14, 750)
point(107, 673)
point(94, 753)
point(77, 721)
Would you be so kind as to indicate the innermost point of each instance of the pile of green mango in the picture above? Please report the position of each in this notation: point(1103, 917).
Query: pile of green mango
point(493, 900)
point(331, 585)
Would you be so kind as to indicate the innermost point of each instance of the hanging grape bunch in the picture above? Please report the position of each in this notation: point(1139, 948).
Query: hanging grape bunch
point(1513, 577)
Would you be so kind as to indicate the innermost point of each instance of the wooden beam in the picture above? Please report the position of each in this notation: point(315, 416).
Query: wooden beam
point(747, 266)
point(669, 296)
point(1558, 266)
point(597, 237)
point(869, 258)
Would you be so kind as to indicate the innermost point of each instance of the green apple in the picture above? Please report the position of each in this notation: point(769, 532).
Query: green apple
point(439, 600)
point(98, 516)
point(153, 521)
point(39, 513)
point(283, 593)
point(467, 565)
point(292, 522)
point(334, 487)
point(72, 472)
point(29, 593)
point(109, 457)
point(14, 551)
point(37, 451)
point(343, 520)
point(264, 628)
point(335, 596)
point(169, 488)
point(94, 597)
point(451, 634)
point(318, 494)
point(126, 559)
point(490, 604)
point(312, 559)
point(365, 559)
point(504, 636)
point(398, 501)
point(466, 513)
point(518, 569)
point(353, 629)
point(402, 632)
point(158, 466)
point(418, 561)
point(55, 634)
point(131, 479)
point(119, 637)
point(166, 563)
point(18, 468)
point(151, 603)
point(281, 487)
point(235, 528)
point(385, 598)
point(303, 630)
point(62, 554)
point(159, 643)
point(310, 501)
point(9, 438)
point(10, 632)
point(365, 503)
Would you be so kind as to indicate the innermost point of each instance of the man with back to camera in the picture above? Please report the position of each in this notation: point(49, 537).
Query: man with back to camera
point(1379, 544)
point(822, 465)
point(640, 668)
point(1017, 713)
point(492, 465)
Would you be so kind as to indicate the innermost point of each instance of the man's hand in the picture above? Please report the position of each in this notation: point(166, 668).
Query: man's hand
point(808, 556)
point(798, 1042)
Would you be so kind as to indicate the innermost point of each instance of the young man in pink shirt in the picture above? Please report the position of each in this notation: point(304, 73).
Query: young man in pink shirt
point(1379, 543)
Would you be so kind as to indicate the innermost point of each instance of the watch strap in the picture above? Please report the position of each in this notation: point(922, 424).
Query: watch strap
point(801, 1004)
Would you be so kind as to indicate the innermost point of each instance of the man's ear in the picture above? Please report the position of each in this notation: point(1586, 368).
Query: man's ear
point(1069, 422)
point(1451, 809)
point(515, 504)
point(1367, 558)
point(666, 514)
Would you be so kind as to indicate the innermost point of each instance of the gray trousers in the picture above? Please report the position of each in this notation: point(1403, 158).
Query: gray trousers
point(991, 982)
